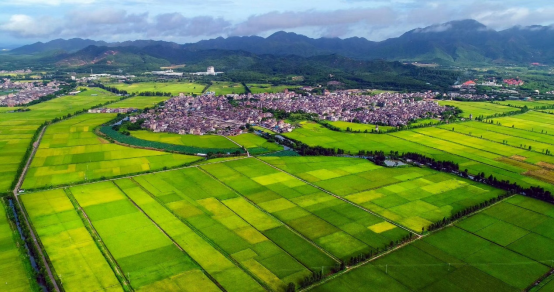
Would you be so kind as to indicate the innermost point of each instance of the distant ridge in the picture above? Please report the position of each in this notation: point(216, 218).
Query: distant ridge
point(455, 42)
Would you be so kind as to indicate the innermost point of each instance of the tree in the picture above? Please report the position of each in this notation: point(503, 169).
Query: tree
point(291, 287)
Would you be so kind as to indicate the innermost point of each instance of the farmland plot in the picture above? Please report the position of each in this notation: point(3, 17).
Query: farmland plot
point(149, 259)
point(70, 152)
point(340, 228)
point(413, 197)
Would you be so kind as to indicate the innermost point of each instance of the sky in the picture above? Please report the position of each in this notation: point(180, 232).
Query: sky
point(184, 21)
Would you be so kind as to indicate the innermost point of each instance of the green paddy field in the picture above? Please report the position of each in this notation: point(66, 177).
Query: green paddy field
point(255, 144)
point(479, 109)
point(71, 152)
point(224, 88)
point(174, 87)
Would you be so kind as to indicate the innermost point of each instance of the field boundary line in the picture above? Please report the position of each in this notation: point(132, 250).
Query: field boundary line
point(115, 265)
point(343, 199)
point(492, 131)
point(337, 260)
point(169, 237)
point(204, 237)
point(24, 213)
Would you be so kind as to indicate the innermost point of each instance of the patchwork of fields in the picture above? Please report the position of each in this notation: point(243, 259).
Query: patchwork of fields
point(537, 104)
point(174, 87)
point(462, 149)
point(504, 248)
point(413, 197)
point(358, 127)
point(479, 109)
point(70, 152)
point(15, 274)
point(17, 129)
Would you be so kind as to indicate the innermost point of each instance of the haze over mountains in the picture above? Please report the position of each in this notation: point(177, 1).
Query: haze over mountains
point(456, 42)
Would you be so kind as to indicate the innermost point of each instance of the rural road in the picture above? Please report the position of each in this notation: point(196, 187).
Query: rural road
point(16, 195)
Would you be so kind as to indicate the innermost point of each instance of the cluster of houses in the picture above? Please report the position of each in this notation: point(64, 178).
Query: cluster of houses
point(207, 114)
point(24, 92)
point(514, 82)
point(393, 109)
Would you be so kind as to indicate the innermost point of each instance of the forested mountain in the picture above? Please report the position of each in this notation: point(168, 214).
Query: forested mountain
point(456, 42)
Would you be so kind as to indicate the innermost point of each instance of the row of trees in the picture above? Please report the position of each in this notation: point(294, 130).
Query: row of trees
point(111, 89)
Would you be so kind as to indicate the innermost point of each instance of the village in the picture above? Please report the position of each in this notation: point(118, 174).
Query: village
point(24, 92)
point(216, 114)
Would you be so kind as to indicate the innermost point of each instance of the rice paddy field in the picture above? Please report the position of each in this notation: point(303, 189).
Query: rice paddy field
point(471, 153)
point(174, 87)
point(478, 109)
point(224, 88)
point(204, 141)
point(336, 226)
point(75, 257)
point(256, 144)
point(411, 196)
point(358, 127)
point(503, 248)
point(139, 102)
point(71, 152)
point(530, 121)
point(537, 104)
point(268, 88)
point(17, 129)
point(15, 274)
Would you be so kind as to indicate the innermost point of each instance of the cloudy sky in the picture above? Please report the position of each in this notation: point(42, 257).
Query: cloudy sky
point(182, 21)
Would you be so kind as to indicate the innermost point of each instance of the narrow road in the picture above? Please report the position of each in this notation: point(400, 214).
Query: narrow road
point(16, 195)
point(343, 199)
point(247, 153)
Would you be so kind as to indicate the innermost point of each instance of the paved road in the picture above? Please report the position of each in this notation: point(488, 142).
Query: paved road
point(16, 195)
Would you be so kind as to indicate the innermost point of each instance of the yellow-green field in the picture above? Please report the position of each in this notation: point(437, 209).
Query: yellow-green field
point(71, 152)
point(174, 87)
point(479, 109)
point(355, 127)
point(204, 141)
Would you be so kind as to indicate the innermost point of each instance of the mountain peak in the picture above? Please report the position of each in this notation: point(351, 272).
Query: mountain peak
point(466, 25)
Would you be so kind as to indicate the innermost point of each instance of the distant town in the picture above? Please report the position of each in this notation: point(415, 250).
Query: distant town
point(21, 93)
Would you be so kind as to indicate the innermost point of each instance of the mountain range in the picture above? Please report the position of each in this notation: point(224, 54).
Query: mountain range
point(451, 43)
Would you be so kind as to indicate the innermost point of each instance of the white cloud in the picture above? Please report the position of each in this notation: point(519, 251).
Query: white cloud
point(27, 26)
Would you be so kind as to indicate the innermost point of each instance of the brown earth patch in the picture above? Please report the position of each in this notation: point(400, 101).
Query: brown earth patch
point(520, 158)
point(546, 165)
point(542, 174)
point(518, 163)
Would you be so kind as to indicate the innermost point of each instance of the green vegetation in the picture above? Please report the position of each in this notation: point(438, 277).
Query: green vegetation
point(146, 255)
point(205, 141)
point(70, 152)
point(470, 153)
point(479, 109)
point(224, 88)
point(530, 121)
point(268, 88)
point(337, 226)
point(139, 102)
point(355, 127)
point(176, 145)
point(255, 144)
point(259, 244)
point(411, 196)
point(15, 269)
point(173, 87)
point(74, 256)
